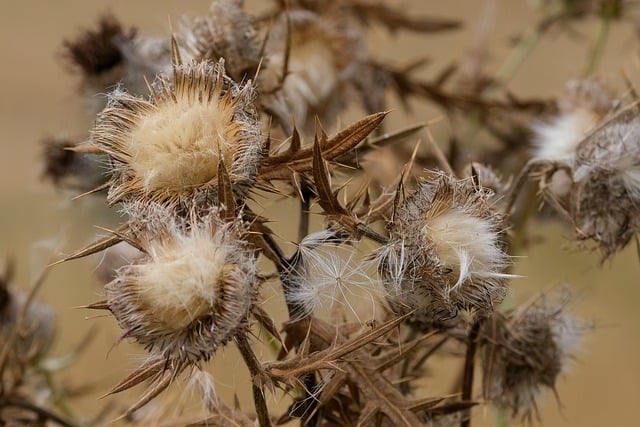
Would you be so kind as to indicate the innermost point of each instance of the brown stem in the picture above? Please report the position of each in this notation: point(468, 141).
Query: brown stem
point(253, 364)
point(303, 226)
point(467, 378)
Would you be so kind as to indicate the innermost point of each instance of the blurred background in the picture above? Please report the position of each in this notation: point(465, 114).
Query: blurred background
point(39, 97)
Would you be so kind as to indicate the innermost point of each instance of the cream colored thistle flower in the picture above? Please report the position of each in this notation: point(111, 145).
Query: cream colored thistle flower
point(445, 253)
point(191, 292)
point(582, 107)
point(168, 148)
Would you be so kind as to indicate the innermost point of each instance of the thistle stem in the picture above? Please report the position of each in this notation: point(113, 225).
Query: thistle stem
point(467, 378)
point(303, 226)
point(255, 370)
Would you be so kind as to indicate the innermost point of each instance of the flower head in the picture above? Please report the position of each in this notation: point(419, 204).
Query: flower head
point(227, 32)
point(605, 203)
point(320, 60)
point(168, 148)
point(445, 252)
point(526, 350)
point(326, 273)
point(190, 294)
point(582, 107)
point(111, 54)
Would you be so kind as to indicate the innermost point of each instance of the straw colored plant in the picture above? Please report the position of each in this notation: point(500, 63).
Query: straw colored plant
point(232, 108)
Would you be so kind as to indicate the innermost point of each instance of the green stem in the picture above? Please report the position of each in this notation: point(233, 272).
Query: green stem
point(526, 43)
point(604, 25)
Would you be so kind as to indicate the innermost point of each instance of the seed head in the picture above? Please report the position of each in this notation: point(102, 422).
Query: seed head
point(326, 273)
point(582, 107)
point(168, 148)
point(190, 294)
point(227, 32)
point(445, 253)
point(111, 54)
point(526, 350)
point(605, 201)
point(321, 58)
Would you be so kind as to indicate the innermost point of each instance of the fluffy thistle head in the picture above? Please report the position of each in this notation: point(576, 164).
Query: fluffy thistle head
point(320, 56)
point(226, 31)
point(581, 108)
point(605, 203)
point(191, 292)
point(168, 148)
point(445, 252)
point(526, 350)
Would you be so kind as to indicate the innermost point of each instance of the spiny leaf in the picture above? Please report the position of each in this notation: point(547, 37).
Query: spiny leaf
point(152, 393)
point(95, 247)
point(280, 167)
point(144, 372)
point(326, 198)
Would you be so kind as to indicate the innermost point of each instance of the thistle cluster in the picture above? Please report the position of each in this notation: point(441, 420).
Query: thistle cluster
point(199, 126)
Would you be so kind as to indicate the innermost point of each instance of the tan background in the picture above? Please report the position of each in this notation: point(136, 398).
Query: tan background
point(38, 97)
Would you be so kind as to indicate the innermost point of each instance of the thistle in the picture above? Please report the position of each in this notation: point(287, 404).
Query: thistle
point(445, 253)
point(168, 148)
point(190, 293)
point(526, 350)
point(226, 32)
point(310, 60)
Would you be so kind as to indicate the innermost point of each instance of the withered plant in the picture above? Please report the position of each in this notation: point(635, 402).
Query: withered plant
point(200, 126)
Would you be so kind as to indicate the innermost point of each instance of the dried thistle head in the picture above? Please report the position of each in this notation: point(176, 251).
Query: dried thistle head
point(486, 177)
point(111, 55)
point(67, 168)
point(445, 253)
point(526, 349)
point(190, 293)
point(582, 107)
point(317, 56)
point(227, 32)
point(33, 332)
point(95, 53)
point(605, 199)
point(168, 148)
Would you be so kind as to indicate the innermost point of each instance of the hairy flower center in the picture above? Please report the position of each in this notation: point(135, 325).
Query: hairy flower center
point(180, 144)
point(181, 284)
point(463, 243)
